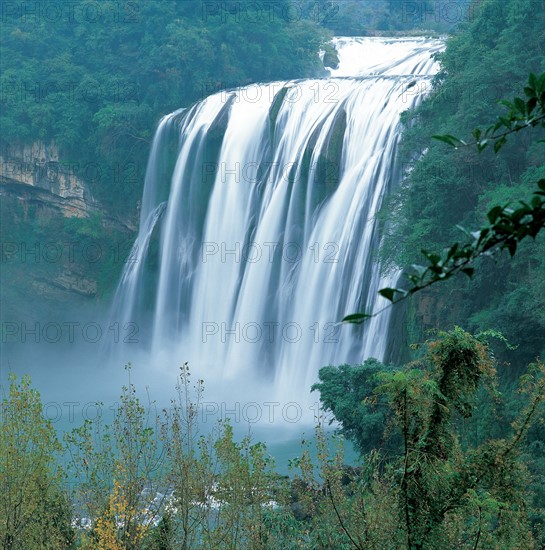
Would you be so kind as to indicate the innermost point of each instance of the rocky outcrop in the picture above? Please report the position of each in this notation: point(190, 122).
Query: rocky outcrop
point(47, 209)
point(66, 282)
point(38, 166)
point(331, 59)
point(35, 175)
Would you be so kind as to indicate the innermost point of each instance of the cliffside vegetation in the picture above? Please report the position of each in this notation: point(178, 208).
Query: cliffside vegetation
point(487, 61)
point(97, 77)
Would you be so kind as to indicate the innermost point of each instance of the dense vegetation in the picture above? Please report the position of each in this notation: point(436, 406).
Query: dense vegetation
point(96, 79)
point(155, 481)
point(488, 60)
point(354, 17)
point(454, 427)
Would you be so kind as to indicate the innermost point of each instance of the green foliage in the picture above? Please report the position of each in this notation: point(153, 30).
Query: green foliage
point(480, 491)
point(348, 392)
point(507, 227)
point(445, 489)
point(495, 181)
point(55, 261)
point(154, 481)
point(355, 18)
point(96, 81)
point(34, 509)
point(150, 480)
point(113, 464)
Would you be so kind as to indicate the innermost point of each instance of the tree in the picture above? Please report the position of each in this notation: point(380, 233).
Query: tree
point(34, 509)
point(488, 58)
point(119, 473)
point(79, 79)
point(349, 393)
point(445, 489)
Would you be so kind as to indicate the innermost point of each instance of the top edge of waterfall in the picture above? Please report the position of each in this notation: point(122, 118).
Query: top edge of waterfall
point(416, 38)
point(379, 56)
point(387, 58)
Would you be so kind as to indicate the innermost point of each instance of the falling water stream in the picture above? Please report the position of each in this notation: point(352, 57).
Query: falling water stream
point(258, 228)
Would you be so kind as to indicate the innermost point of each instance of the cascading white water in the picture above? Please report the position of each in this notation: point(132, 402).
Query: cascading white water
point(268, 233)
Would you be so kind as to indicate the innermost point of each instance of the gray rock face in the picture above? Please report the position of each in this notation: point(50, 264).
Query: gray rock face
point(39, 193)
point(38, 165)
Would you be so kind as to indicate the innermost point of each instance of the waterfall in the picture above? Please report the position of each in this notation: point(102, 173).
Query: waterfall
point(265, 221)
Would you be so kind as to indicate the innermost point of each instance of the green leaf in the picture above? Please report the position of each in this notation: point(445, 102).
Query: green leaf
point(356, 318)
point(499, 143)
point(388, 293)
point(451, 140)
point(540, 85)
point(494, 213)
point(432, 257)
point(530, 92)
point(477, 134)
point(520, 105)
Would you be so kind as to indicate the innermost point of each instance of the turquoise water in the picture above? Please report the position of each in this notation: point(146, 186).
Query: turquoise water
point(285, 451)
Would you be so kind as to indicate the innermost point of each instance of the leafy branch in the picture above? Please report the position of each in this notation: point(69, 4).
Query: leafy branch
point(339, 518)
point(508, 225)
